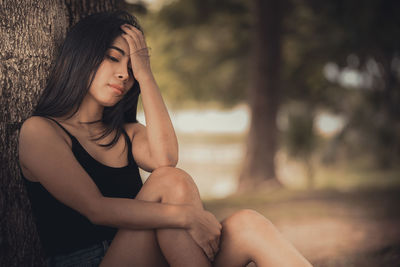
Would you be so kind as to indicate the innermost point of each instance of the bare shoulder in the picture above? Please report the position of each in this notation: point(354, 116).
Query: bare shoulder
point(35, 124)
point(37, 127)
point(37, 137)
point(39, 134)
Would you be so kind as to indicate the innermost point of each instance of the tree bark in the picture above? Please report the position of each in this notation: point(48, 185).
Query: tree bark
point(31, 33)
point(259, 167)
point(78, 9)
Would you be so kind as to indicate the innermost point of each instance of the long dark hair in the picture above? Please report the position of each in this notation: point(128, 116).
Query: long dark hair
point(77, 63)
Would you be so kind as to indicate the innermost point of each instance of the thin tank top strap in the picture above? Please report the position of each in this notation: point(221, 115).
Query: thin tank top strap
point(62, 127)
point(129, 143)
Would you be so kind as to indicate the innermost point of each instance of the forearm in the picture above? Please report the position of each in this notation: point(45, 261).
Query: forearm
point(163, 144)
point(137, 214)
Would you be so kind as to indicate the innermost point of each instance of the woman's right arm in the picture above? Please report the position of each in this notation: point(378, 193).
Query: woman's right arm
point(46, 155)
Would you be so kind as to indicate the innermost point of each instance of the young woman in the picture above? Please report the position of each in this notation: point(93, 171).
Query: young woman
point(80, 152)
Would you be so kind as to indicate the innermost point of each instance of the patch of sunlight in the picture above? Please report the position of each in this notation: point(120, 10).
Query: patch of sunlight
point(328, 124)
point(331, 71)
point(291, 173)
point(350, 78)
point(223, 188)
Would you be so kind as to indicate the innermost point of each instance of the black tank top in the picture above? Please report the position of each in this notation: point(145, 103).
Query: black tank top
point(64, 230)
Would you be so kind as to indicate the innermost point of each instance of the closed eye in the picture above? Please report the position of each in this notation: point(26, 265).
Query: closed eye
point(116, 60)
point(113, 58)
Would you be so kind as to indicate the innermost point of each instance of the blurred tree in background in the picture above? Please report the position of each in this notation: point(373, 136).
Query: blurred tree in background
point(264, 95)
point(340, 57)
point(343, 56)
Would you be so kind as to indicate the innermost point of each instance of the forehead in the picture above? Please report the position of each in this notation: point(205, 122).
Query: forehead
point(120, 43)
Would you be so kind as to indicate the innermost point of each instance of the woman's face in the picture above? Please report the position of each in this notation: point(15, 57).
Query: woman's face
point(114, 76)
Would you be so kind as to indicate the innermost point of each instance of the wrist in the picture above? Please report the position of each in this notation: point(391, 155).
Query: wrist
point(144, 77)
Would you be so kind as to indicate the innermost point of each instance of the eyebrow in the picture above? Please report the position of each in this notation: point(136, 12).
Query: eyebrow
point(118, 49)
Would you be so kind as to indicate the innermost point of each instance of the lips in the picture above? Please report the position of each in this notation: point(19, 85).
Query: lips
point(117, 88)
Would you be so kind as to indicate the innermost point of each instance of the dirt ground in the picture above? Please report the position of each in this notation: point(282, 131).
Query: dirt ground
point(331, 228)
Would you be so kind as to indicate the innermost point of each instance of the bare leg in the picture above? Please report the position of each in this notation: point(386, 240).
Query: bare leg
point(248, 236)
point(176, 244)
point(136, 247)
point(155, 248)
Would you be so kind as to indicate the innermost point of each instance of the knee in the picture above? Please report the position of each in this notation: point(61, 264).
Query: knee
point(176, 184)
point(246, 223)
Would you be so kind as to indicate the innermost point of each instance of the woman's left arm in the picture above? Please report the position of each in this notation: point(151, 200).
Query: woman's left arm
point(154, 145)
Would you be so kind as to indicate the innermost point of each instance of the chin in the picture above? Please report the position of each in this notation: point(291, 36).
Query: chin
point(110, 103)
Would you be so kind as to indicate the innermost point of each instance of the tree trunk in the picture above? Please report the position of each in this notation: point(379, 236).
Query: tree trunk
point(263, 95)
point(31, 32)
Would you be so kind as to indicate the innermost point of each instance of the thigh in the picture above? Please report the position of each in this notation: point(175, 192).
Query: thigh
point(137, 247)
point(134, 248)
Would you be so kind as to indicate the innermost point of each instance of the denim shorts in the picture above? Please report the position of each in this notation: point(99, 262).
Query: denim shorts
point(87, 257)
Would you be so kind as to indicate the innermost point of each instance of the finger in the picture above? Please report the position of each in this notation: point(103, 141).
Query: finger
point(137, 33)
point(211, 253)
point(142, 38)
point(208, 251)
point(131, 43)
point(135, 46)
point(130, 34)
point(132, 31)
point(215, 247)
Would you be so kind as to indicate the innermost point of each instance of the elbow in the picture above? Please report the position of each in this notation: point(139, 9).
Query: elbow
point(168, 161)
point(166, 156)
point(172, 160)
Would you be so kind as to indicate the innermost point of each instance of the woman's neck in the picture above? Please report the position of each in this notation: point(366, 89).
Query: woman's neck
point(89, 111)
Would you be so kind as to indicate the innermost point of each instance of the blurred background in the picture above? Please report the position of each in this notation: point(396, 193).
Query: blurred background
point(291, 108)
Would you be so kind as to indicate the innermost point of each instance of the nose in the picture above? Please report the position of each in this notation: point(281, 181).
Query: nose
point(122, 73)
